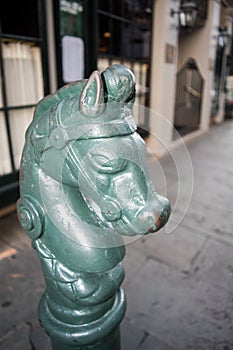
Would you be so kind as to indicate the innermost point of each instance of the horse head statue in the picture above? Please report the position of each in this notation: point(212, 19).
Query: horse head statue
point(84, 186)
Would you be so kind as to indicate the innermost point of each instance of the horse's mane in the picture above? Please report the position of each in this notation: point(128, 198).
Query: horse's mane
point(66, 91)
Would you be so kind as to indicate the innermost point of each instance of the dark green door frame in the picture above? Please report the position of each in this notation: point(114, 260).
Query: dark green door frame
point(9, 183)
point(89, 36)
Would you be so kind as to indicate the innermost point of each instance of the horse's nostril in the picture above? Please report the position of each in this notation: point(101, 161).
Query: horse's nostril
point(152, 228)
point(162, 218)
point(158, 221)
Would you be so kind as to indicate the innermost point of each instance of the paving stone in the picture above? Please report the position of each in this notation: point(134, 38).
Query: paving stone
point(179, 309)
point(3, 246)
point(133, 261)
point(153, 343)
point(131, 336)
point(209, 220)
point(21, 287)
point(16, 339)
point(214, 267)
point(39, 338)
point(177, 249)
point(215, 145)
point(211, 204)
point(11, 232)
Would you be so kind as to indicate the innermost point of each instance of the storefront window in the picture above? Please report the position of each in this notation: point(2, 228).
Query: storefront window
point(125, 28)
point(125, 37)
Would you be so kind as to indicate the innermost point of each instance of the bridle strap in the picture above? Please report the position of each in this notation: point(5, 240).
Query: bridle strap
point(109, 207)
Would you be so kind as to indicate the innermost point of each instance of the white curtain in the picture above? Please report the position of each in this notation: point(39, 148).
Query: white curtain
point(24, 86)
point(5, 164)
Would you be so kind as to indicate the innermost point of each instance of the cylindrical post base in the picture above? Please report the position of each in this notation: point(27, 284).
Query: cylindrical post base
point(100, 334)
point(111, 342)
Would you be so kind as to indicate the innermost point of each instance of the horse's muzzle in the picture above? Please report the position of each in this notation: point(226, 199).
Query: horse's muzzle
point(156, 216)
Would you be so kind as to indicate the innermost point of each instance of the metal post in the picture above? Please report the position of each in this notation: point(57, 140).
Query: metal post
point(83, 186)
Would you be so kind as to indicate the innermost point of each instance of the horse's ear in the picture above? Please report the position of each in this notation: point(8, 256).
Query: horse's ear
point(91, 101)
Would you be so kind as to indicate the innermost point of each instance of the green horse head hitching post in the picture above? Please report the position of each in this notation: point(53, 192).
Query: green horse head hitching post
point(84, 185)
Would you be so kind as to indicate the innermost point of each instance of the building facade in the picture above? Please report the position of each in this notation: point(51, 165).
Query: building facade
point(188, 77)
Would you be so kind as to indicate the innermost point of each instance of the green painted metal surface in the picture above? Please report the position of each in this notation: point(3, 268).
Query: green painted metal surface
point(84, 185)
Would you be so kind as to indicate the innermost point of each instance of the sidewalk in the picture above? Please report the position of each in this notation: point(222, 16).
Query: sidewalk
point(179, 286)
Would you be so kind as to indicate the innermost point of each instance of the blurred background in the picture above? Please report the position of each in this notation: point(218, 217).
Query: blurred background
point(179, 286)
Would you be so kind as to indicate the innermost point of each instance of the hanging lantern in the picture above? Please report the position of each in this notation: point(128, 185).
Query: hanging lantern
point(187, 14)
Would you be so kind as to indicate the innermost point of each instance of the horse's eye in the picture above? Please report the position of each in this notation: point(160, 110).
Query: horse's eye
point(104, 165)
point(113, 166)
